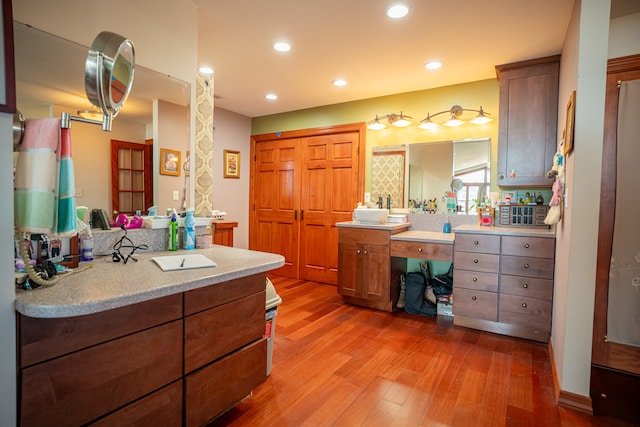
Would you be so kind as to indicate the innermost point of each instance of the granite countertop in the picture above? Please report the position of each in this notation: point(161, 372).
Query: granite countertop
point(510, 231)
point(425, 237)
point(386, 226)
point(107, 285)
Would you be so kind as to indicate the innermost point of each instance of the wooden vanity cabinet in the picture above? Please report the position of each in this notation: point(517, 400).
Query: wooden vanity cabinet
point(366, 276)
point(475, 276)
point(528, 121)
point(504, 284)
point(183, 359)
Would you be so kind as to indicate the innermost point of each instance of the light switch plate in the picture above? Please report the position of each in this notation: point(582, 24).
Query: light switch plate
point(367, 197)
point(176, 195)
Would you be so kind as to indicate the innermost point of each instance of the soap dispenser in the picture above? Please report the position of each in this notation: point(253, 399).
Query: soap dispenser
point(189, 230)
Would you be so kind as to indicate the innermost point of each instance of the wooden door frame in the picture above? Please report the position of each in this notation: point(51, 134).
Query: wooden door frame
point(148, 174)
point(359, 128)
point(608, 354)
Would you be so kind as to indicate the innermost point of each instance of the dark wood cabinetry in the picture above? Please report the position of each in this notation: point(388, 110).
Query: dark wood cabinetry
point(365, 274)
point(528, 121)
point(504, 284)
point(131, 365)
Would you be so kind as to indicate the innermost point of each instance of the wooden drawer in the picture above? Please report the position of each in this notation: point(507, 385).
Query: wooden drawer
point(476, 262)
point(482, 243)
point(475, 280)
point(43, 339)
point(221, 293)
point(364, 236)
point(537, 247)
point(219, 386)
point(162, 408)
point(211, 334)
point(524, 311)
point(421, 250)
point(526, 266)
point(80, 387)
point(475, 304)
point(526, 286)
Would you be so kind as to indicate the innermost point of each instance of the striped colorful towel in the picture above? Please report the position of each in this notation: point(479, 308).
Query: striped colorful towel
point(44, 189)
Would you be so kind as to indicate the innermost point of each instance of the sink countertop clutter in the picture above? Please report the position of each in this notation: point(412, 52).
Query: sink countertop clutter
point(109, 285)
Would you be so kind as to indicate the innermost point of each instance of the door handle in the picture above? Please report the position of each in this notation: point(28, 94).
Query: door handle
point(302, 215)
point(295, 215)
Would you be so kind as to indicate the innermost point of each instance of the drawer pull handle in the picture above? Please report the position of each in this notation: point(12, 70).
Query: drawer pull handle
point(476, 243)
point(475, 279)
point(524, 305)
point(419, 249)
point(526, 265)
point(474, 298)
point(526, 245)
point(525, 285)
point(475, 261)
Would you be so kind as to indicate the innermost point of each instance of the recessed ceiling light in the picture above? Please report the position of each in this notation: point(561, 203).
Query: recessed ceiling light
point(339, 82)
point(282, 46)
point(433, 65)
point(206, 70)
point(397, 10)
point(271, 96)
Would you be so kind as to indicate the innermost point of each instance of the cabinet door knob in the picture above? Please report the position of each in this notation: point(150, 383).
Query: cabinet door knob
point(474, 298)
point(475, 279)
point(419, 249)
point(358, 251)
point(526, 265)
point(525, 285)
point(476, 243)
point(526, 245)
point(524, 305)
point(475, 261)
point(365, 252)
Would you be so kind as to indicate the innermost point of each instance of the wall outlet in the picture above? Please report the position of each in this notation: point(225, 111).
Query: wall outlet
point(176, 195)
point(367, 197)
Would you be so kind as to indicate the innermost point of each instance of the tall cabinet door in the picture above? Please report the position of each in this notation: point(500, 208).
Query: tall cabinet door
point(276, 202)
point(330, 171)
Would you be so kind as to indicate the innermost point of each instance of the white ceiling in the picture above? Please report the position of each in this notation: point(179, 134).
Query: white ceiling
point(356, 41)
point(350, 39)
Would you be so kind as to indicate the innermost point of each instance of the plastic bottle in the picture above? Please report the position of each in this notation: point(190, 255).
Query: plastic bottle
point(446, 228)
point(172, 234)
point(189, 230)
point(86, 244)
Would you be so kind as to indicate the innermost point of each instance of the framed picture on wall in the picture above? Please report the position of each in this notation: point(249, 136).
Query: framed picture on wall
point(231, 164)
point(170, 162)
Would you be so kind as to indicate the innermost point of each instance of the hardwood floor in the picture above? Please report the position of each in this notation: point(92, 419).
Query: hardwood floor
point(342, 365)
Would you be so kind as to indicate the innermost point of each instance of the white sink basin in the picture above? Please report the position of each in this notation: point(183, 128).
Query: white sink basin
point(371, 216)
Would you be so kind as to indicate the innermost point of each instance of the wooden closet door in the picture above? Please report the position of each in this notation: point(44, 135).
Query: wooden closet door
point(276, 202)
point(330, 176)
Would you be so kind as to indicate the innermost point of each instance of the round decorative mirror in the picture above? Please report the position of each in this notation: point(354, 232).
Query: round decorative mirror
point(109, 74)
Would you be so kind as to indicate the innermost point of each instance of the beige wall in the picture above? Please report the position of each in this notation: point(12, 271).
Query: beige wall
point(232, 132)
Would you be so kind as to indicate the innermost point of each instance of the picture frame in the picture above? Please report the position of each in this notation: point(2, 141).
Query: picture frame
point(170, 163)
point(569, 123)
point(187, 164)
point(231, 164)
point(7, 70)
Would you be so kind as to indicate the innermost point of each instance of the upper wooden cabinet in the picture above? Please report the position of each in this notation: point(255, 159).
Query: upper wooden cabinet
point(528, 121)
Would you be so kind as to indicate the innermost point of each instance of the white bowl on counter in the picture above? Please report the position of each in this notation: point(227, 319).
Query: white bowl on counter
point(371, 216)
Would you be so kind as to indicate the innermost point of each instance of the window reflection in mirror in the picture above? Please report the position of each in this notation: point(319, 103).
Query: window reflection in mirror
point(427, 173)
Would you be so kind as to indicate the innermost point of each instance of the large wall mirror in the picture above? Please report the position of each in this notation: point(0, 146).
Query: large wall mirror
point(414, 174)
point(50, 80)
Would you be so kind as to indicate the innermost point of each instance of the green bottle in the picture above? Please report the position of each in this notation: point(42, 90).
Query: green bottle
point(172, 234)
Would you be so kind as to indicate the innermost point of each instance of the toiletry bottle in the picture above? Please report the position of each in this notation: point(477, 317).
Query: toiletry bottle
point(86, 244)
point(189, 230)
point(172, 234)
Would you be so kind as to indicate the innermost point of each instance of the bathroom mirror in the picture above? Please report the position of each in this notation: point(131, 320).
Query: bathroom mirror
point(420, 172)
point(50, 78)
point(109, 71)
